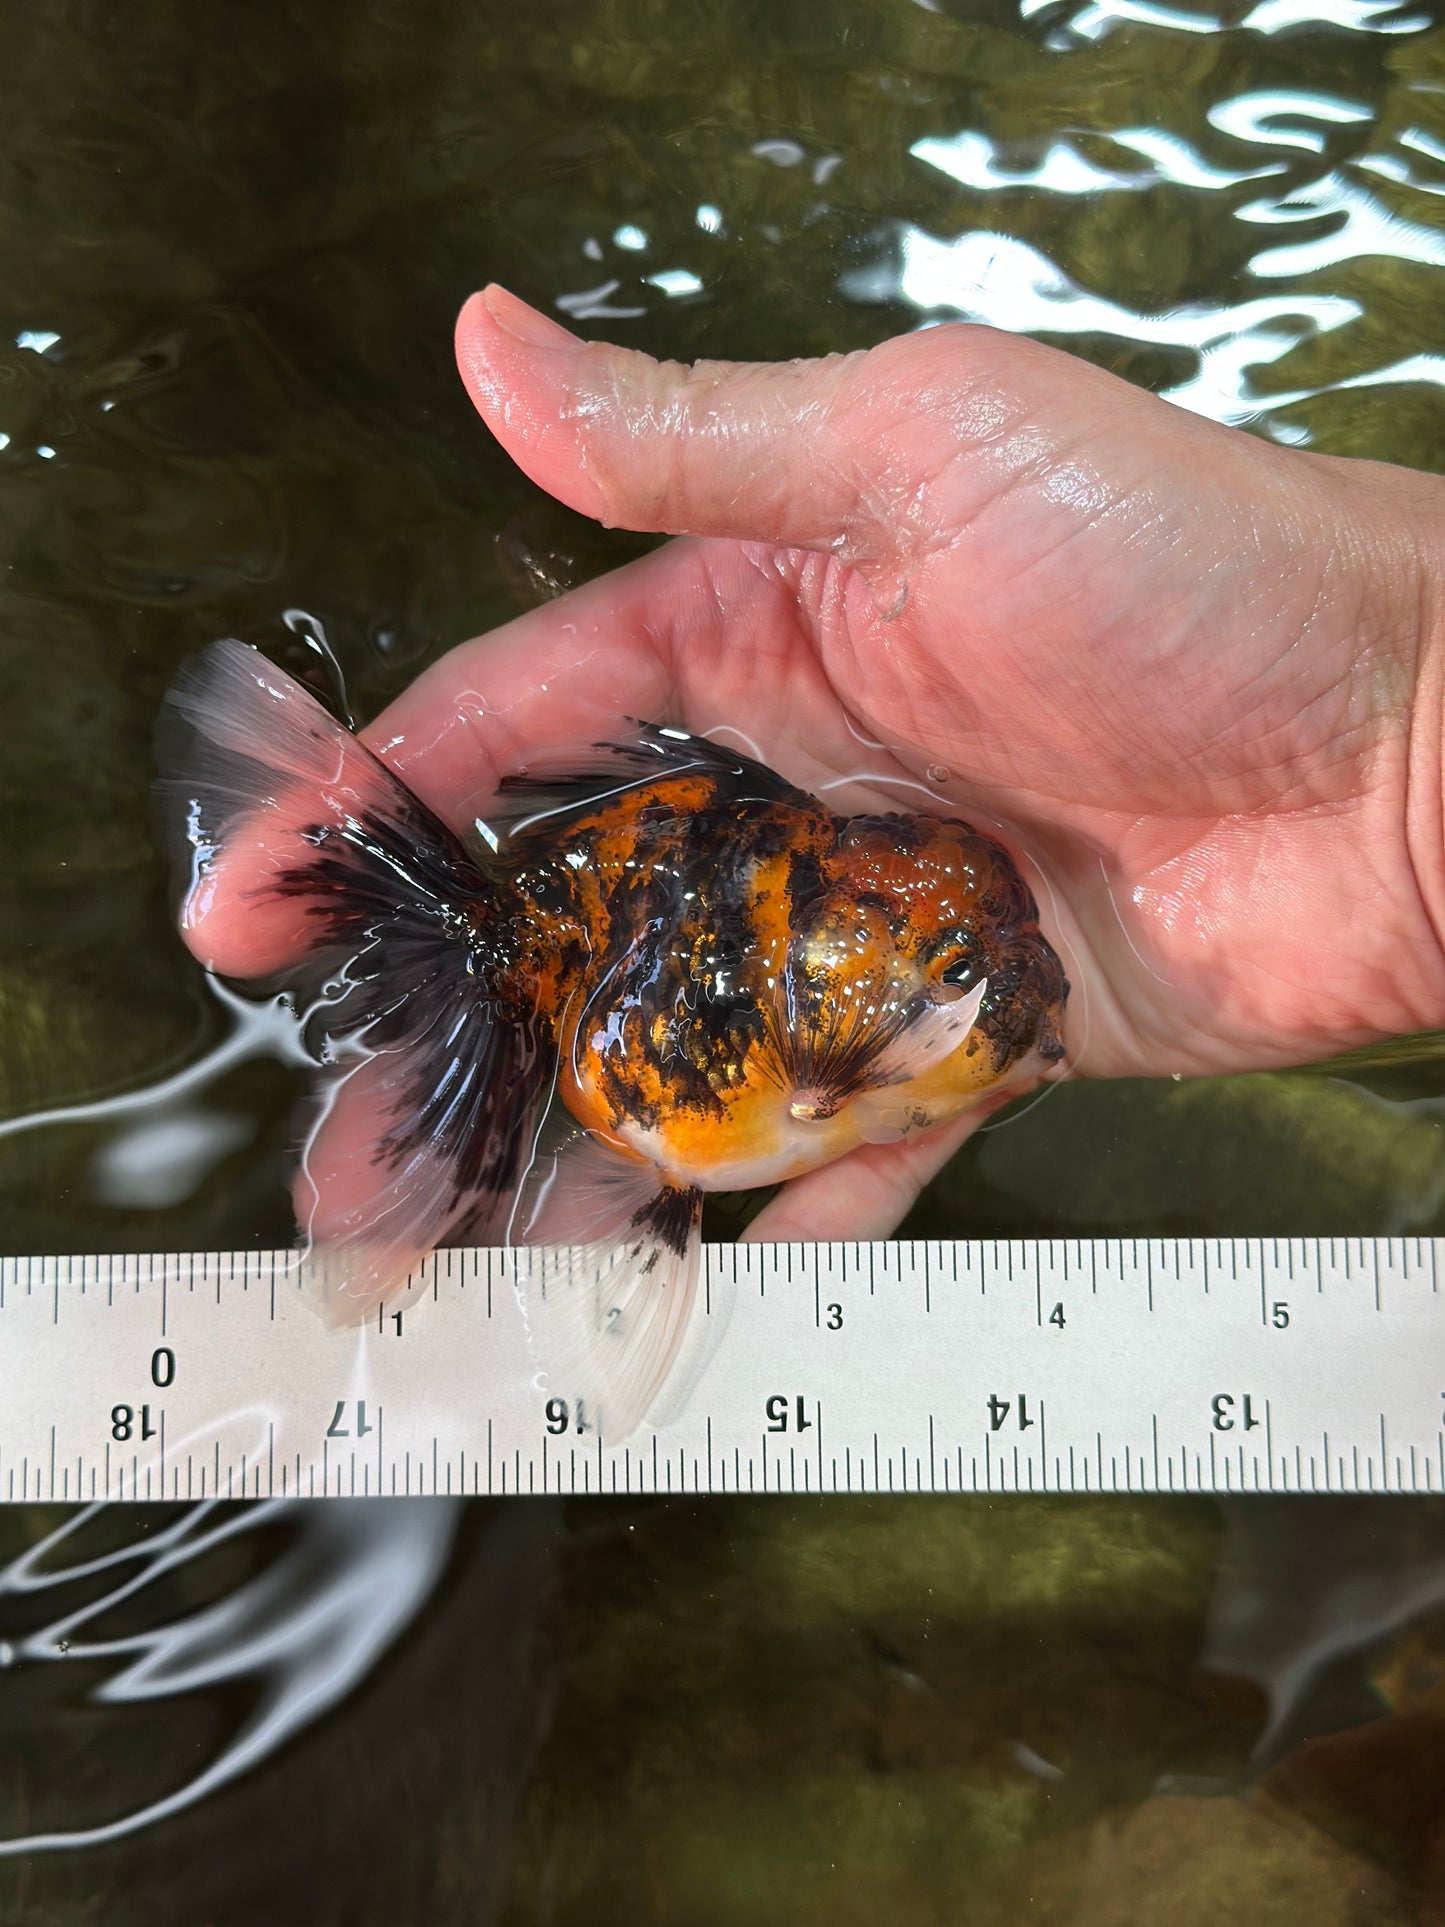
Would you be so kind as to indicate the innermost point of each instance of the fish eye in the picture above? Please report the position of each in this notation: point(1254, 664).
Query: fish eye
point(960, 973)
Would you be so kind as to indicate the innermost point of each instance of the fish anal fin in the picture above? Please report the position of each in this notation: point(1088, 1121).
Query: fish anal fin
point(611, 1298)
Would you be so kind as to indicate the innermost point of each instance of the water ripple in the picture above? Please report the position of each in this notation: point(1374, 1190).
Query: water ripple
point(1367, 228)
point(307, 1626)
point(1006, 283)
point(1329, 168)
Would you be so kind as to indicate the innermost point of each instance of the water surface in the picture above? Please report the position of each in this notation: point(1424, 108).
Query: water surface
point(233, 256)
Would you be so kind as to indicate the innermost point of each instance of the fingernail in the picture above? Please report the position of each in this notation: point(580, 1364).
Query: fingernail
point(525, 324)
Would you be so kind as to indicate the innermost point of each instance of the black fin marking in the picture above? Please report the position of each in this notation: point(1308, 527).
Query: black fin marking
point(670, 1216)
point(431, 1082)
point(552, 794)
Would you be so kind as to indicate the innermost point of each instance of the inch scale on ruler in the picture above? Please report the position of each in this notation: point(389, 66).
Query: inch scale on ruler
point(1274, 1365)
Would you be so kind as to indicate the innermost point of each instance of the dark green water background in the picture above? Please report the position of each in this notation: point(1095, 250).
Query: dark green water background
point(233, 244)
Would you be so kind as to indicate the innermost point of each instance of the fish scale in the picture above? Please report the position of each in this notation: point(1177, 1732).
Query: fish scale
point(657, 969)
point(1218, 1365)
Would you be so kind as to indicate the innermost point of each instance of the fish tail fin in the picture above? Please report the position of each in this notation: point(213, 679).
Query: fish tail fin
point(307, 863)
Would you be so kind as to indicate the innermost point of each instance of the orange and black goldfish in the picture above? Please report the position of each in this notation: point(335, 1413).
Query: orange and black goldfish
point(660, 972)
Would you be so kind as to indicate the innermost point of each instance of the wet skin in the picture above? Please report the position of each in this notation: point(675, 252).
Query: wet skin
point(1196, 679)
point(741, 986)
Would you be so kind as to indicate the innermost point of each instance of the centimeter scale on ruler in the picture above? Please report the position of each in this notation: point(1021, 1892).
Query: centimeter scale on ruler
point(1299, 1365)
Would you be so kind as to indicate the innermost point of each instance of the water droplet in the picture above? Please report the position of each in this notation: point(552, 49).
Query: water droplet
point(937, 773)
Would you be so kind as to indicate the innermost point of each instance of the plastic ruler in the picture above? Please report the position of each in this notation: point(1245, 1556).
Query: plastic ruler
point(1247, 1365)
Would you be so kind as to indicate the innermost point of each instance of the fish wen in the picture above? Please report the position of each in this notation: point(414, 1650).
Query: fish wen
point(656, 969)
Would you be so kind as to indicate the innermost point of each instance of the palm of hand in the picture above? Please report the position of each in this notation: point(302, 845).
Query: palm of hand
point(1145, 645)
point(1140, 644)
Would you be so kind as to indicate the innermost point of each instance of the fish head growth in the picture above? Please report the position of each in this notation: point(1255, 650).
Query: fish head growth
point(826, 982)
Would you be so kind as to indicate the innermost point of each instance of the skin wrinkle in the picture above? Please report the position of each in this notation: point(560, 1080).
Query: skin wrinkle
point(1132, 494)
point(1249, 871)
point(919, 719)
point(1401, 1010)
point(1222, 976)
point(1264, 670)
point(683, 453)
point(1033, 682)
point(1081, 488)
point(1280, 746)
point(957, 457)
point(956, 387)
point(826, 587)
point(1045, 555)
point(956, 462)
point(670, 412)
point(796, 680)
point(1423, 797)
point(1360, 727)
point(976, 417)
point(890, 520)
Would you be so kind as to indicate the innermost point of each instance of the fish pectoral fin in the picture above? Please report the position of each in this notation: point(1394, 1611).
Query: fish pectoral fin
point(611, 1300)
point(935, 1033)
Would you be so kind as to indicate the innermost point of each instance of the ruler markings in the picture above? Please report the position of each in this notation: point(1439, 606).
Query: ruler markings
point(1152, 1391)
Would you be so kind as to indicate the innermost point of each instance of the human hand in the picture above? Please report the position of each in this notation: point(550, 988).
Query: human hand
point(1195, 678)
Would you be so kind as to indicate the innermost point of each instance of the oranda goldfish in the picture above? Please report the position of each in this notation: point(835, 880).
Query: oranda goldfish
point(660, 972)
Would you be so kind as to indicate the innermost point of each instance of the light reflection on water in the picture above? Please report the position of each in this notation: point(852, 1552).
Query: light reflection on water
point(990, 276)
point(1101, 17)
point(159, 1142)
point(217, 425)
point(996, 279)
point(1303, 1588)
point(300, 1633)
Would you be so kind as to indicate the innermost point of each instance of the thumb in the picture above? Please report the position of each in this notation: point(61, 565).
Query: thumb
point(807, 454)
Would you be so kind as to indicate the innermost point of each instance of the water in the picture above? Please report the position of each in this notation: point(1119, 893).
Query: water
point(232, 265)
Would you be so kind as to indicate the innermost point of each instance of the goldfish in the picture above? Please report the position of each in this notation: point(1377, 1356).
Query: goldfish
point(654, 969)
